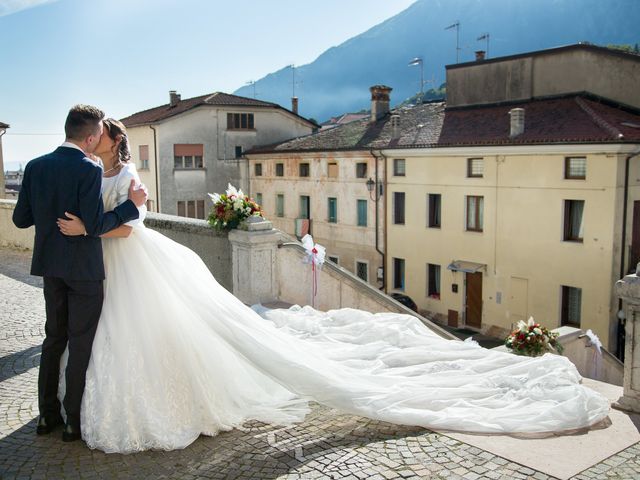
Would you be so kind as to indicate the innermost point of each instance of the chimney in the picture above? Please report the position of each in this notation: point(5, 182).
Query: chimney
point(294, 104)
point(517, 122)
point(379, 101)
point(174, 98)
point(395, 127)
point(480, 55)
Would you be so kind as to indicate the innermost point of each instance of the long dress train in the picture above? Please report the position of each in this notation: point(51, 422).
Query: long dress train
point(176, 355)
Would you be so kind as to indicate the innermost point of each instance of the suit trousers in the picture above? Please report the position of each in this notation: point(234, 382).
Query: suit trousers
point(73, 309)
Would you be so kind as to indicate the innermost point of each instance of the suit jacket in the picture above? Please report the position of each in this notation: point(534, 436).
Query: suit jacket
point(65, 180)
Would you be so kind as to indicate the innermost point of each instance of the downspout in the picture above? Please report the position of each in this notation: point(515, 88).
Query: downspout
point(155, 161)
point(377, 197)
point(2, 194)
point(623, 242)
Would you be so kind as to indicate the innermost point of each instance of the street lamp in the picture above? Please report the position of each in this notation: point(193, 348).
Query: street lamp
point(419, 61)
point(371, 184)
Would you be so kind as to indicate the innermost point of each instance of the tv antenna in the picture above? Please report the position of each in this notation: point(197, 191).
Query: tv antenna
point(456, 25)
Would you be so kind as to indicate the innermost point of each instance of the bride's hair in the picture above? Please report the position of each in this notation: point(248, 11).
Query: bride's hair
point(116, 129)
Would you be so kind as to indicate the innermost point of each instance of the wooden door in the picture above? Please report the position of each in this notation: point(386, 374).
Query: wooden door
point(473, 317)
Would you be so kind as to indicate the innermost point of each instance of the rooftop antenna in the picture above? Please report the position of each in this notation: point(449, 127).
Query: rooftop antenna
point(253, 84)
point(293, 80)
point(485, 36)
point(456, 25)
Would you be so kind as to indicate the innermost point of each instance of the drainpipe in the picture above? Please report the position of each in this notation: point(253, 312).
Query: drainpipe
point(377, 197)
point(623, 243)
point(155, 161)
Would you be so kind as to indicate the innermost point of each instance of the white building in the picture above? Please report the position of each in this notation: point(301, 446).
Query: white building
point(188, 148)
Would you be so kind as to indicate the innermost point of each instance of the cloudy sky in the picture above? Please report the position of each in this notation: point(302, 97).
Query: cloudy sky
point(125, 55)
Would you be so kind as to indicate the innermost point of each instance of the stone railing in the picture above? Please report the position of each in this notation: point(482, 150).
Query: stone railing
point(212, 247)
point(10, 236)
point(629, 290)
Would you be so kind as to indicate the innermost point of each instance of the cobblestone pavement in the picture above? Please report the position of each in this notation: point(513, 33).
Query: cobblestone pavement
point(328, 445)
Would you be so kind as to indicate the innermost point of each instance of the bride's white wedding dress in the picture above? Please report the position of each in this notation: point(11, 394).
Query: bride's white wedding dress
point(176, 355)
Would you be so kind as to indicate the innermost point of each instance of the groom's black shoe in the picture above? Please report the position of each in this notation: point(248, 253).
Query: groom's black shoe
point(46, 424)
point(70, 433)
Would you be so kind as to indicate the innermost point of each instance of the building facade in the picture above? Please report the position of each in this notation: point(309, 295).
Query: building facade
point(188, 148)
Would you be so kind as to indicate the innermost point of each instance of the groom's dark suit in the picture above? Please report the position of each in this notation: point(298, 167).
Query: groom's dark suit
point(72, 267)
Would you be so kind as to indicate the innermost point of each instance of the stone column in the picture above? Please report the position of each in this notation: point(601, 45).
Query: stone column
point(254, 249)
point(629, 290)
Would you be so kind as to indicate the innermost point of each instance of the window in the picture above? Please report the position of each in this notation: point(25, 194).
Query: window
point(187, 156)
point(332, 210)
point(361, 170)
point(257, 169)
point(238, 151)
point(433, 281)
point(573, 220)
point(279, 169)
point(362, 271)
point(399, 167)
point(571, 306)
point(305, 207)
point(143, 152)
point(335, 260)
point(362, 213)
point(280, 205)
point(475, 167)
point(434, 210)
point(240, 121)
point(398, 208)
point(398, 273)
point(475, 213)
point(304, 169)
point(191, 209)
point(575, 168)
point(332, 171)
point(259, 199)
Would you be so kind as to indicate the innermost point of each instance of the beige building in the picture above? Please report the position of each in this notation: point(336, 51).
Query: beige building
point(519, 197)
point(3, 129)
point(528, 204)
point(188, 148)
point(331, 184)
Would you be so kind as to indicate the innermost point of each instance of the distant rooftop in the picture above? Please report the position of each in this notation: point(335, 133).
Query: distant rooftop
point(567, 119)
point(4, 125)
point(168, 110)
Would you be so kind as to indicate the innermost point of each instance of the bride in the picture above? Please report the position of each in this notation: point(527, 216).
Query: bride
point(176, 355)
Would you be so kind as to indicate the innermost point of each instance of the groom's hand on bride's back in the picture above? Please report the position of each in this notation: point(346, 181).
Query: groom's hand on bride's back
point(138, 194)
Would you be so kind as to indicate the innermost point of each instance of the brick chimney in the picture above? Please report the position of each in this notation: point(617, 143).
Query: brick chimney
point(517, 122)
point(480, 54)
point(174, 98)
point(294, 104)
point(379, 101)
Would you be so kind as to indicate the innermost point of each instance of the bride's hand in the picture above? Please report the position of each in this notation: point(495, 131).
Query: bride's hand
point(73, 227)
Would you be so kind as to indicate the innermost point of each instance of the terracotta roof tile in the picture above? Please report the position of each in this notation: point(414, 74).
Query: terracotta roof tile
point(163, 112)
point(572, 119)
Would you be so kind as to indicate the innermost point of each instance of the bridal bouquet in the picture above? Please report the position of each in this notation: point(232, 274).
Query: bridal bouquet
point(532, 339)
point(231, 208)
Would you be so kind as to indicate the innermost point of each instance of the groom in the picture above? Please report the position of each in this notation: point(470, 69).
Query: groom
point(66, 180)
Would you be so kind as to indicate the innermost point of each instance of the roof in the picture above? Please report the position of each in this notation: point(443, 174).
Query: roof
point(418, 124)
point(573, 119)
point(576, 46)
point(4, 125)
point(578, 118)
point(157, 114)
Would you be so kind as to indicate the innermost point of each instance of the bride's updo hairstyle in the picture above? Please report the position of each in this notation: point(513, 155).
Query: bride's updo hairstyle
point(118, 133)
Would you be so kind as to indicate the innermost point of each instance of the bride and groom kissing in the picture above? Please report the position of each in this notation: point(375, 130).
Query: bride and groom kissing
point(155, 352)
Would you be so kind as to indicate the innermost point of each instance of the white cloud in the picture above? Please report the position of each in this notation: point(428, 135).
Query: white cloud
point(7, 7)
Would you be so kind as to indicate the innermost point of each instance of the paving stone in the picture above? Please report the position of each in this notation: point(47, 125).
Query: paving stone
point(328, 444)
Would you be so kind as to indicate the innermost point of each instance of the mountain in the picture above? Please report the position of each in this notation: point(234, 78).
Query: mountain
point(339, 79)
